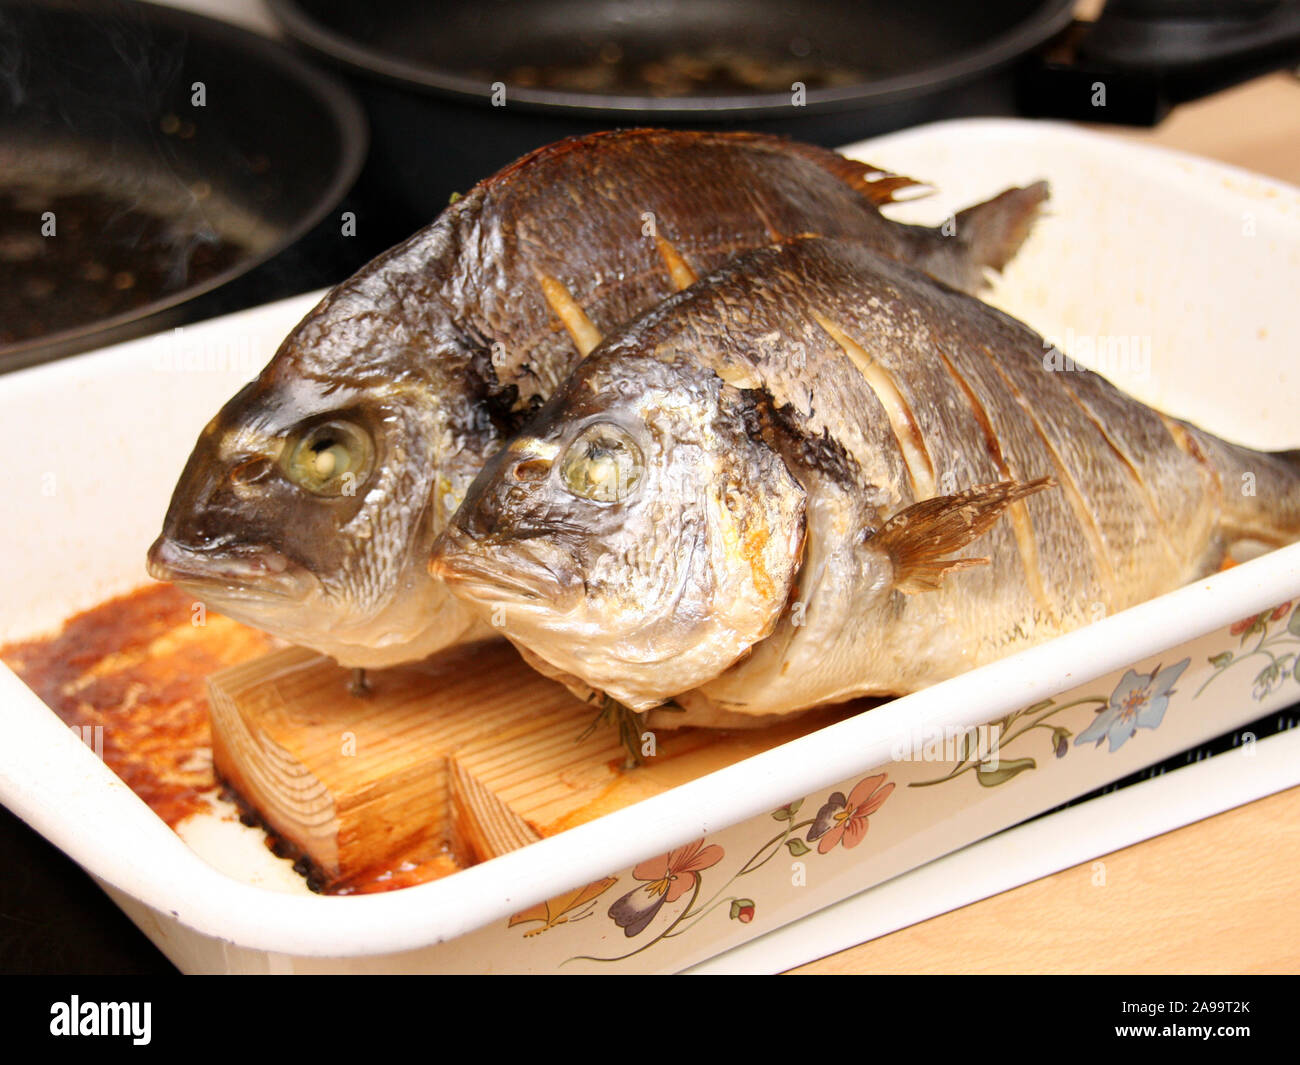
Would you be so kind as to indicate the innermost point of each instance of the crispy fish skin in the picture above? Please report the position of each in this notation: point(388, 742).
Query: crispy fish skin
point(942, 497)
point(607, 217)
point(406, 377)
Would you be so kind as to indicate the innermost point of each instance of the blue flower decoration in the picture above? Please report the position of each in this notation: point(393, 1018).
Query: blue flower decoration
point(1138, 701)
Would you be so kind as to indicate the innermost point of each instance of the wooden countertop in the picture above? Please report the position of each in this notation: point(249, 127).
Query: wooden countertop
point(1217, 896)
point(1255, 126)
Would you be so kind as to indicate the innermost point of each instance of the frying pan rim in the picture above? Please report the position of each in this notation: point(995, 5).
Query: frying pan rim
point(1051, 17)
point(340, 107)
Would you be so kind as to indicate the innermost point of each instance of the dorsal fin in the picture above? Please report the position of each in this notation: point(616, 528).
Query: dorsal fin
point(875, 184)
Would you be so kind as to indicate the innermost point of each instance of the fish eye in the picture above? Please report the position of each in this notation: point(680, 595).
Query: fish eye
point(602, 464)
point(330, 459)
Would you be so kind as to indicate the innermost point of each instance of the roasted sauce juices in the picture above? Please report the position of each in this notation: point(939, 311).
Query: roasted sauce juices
point(136, 667)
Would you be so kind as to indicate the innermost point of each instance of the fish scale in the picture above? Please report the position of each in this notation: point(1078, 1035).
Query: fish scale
point(1039, 429)
point(865, 305)
point(734, 193)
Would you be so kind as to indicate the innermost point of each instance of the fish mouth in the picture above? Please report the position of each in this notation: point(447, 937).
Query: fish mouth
point(252, 573)
point(467, 566)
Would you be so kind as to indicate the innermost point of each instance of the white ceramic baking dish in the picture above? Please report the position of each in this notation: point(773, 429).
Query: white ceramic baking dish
point(1194, 263)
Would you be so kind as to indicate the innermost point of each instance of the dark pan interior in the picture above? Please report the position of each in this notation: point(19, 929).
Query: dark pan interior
point(99, 125)
point(866, 49)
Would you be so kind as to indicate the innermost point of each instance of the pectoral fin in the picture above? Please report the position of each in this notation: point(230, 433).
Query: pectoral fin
point(919, 539)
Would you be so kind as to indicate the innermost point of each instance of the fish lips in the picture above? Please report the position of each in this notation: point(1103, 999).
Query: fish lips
point(472, 569)
point(252, 573)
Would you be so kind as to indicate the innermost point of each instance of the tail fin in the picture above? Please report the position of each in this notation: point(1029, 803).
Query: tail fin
point(994, 230)
point(961, 251)
point(1261, 489)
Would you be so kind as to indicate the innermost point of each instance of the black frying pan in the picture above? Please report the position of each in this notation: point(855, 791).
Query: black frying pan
point(426, 72)
point(593, 57)
point(121, 196)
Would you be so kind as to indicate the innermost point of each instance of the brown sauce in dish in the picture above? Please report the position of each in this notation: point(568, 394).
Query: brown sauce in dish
point(136, 667)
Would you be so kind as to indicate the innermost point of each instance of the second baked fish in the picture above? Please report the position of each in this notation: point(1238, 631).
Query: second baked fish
point(819, 474)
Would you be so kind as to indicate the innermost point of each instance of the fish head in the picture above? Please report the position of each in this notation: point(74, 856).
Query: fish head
point(309, 503)
point(638, 534)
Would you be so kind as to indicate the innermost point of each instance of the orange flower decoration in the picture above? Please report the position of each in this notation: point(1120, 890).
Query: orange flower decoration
point(1245, 623)
point(1257, 621)
point(846, 819)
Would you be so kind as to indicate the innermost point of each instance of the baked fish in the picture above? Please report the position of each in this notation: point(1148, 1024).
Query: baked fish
point(311, 500)
point(818, 474)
